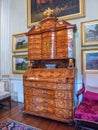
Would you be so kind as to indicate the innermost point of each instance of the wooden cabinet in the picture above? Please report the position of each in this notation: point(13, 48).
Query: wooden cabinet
point(49, 92)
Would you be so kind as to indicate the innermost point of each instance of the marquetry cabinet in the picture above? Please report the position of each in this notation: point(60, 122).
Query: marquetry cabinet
point(49, 92)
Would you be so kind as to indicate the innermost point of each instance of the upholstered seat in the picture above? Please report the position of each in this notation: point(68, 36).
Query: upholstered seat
point(87, 110)
point(5, 95)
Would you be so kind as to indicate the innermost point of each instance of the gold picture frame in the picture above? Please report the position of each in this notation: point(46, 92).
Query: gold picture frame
point(90, 60)
point(19, 42)
point(19, 63)
point(62, 9)
point(89, 31)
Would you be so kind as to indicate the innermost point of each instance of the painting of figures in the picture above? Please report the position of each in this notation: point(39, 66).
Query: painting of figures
point(62, 8)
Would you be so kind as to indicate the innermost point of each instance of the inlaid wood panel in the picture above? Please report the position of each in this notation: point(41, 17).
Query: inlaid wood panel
point(50, 75)
point(45, 85)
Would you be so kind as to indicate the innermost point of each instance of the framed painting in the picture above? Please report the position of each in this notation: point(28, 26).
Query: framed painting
point(90, 60)
point(19, 42)
point(89, 31)
point(63, 9)
point(19, 63)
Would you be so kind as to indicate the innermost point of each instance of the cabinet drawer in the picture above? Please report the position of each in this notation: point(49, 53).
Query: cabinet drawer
point(59, 94)
point(64, 113)
point(50, 102)
point(67, 104)
point(64, 94)
point(50, 93)
point(39, 108)
point(50, 110)
point(60, 103)
point(40, 92)
point(39, 100)
point(45, 85)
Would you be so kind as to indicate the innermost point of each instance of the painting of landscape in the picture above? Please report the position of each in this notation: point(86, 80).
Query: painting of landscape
point(90, 60)
point(89, 33)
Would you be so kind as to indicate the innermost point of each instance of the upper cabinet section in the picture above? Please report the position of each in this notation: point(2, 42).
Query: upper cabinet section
point(51, 40)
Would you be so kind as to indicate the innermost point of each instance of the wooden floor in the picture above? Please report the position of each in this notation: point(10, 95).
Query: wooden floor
point(16, 113)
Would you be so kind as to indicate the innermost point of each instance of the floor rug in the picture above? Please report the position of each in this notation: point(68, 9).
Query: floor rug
point(10, 124)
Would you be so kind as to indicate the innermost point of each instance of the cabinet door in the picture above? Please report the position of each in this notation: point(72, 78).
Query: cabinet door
point(61, 44)
point(34, 47)
point(48, 45)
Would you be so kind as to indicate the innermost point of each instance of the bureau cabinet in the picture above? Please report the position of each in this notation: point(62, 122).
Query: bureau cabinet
point(49, 92)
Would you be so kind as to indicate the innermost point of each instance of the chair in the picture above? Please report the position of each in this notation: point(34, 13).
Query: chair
point(5, 96)
point(86, 112)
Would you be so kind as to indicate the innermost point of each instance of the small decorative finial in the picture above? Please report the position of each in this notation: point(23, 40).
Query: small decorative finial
point(48, 12)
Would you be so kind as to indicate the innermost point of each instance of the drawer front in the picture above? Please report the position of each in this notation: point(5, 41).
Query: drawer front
point(64, 94)
point(64, 113)
point(60, 103)
point(50, 93)
point(46, 85)
point(39, 100)
point(40, 92)
point(59, 94)
point(67, 104)
point(50, 102)
point(50, 110)
point(39, 108)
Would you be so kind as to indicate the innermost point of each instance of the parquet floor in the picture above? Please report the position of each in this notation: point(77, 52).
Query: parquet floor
point(16, 113)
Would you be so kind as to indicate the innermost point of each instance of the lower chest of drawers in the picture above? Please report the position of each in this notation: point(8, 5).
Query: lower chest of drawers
point(54, 103)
